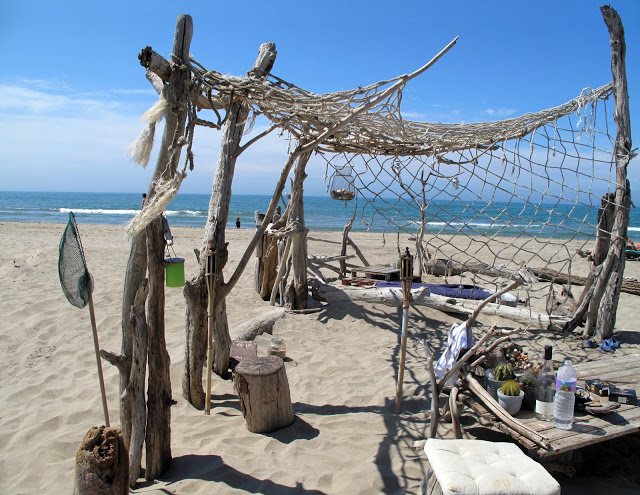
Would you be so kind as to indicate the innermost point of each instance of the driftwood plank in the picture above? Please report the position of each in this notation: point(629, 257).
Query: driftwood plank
point(612, 363)
point(421, 297)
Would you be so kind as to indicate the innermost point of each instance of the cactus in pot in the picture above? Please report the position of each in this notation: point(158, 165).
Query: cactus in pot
point(510, 397)
point(511, 388)
point(504, 372)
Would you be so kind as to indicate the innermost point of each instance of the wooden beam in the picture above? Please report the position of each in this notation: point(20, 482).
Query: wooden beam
point(393, 297)
point(609, 295)
point(158, 432)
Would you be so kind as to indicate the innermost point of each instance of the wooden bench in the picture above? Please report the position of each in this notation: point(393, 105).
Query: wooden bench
point(379, 272)
point(587, 429)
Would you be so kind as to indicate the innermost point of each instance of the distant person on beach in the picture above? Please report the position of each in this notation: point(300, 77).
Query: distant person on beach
point(237, 222)
point(633, 245)
point(144, 199)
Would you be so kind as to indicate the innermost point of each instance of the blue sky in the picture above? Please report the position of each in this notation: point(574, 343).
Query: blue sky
point(72, 90)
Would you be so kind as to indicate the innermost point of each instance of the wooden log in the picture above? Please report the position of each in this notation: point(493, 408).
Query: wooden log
point(161, 68)
point(284, 245)
point(102, 464)
point(194, 354)
point(257, 269)
point(614, 264)
point(435, 392)
point(159, 398)
point(317, 272)
point(263, 390)
point(443, 267)
point(217, 216)
point(503, 415)
point(134, 393)
point(135, 274)
point(455, 412)
point(269, 266)
point(250, 329)
point(421, 297)
point(588, 304)
point(343, 248)
point(295, 296)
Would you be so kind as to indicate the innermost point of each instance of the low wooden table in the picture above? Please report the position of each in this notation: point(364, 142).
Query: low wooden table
point(380, 272)
point(587, 429)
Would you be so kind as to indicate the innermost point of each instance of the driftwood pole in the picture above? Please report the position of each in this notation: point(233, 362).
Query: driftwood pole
point(407, 282)
point(210, 276)
point(196, 324)
point(135, 274)
point(610, 282)
point(158, 434)
point(134, 392)
point(295, 295)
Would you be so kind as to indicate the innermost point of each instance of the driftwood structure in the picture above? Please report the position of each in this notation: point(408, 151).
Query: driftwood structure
point(362, 122)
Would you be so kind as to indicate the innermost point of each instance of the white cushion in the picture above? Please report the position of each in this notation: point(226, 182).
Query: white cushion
point(466, 467)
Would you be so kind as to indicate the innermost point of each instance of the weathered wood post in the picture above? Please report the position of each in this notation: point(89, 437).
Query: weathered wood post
point(610, 283)
point(196, 324)
point(295, 296)
point(158, 433)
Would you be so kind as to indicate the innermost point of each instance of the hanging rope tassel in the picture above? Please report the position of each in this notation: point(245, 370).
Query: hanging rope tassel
point(164, 194)
point(140, 149)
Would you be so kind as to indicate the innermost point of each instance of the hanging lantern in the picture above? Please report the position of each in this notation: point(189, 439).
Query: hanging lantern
point(455, 183)
point(396, 166)
point(341, 187)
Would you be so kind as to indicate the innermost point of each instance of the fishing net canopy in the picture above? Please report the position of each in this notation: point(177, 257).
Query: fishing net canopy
point(498, 191)
point(76, 282)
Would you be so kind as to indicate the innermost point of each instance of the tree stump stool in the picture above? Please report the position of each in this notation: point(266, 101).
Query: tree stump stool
point(263, 390)
point(102, 463)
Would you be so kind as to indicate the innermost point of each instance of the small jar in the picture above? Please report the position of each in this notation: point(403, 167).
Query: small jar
point(277, 347)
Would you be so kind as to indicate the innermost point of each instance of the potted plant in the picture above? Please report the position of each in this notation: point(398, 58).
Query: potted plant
point(528, 382)
point(495, 378)
point(510, 397)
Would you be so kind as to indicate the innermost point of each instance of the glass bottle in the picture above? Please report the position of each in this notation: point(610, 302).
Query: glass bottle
point(565, 397)
point(546, 387)
point(278, 348)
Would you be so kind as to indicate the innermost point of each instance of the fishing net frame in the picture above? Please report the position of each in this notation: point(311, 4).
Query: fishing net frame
point(76, 282)
point(397, 162)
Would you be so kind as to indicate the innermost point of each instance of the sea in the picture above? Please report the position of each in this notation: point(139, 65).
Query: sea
point(559, 220)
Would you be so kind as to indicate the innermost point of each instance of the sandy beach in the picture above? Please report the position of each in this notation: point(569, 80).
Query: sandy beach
point(342, 376)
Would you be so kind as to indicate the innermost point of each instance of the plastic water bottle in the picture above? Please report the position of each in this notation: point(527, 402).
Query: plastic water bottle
point(565, 396)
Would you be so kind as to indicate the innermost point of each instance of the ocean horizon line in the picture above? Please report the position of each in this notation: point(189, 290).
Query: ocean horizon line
point(322, 213)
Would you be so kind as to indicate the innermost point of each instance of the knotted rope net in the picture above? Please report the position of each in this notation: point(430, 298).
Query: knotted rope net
point(489, 196)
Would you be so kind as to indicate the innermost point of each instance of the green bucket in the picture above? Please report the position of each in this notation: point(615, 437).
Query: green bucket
point(174, 271)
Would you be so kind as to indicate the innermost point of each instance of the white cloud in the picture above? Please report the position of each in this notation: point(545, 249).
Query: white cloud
point(500, 113)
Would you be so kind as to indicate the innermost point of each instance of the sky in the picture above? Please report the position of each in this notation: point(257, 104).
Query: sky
point(72, 91)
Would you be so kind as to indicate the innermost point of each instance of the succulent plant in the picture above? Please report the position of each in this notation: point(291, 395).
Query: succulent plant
point(511, 387)
point(528, 379)
point(504, 371)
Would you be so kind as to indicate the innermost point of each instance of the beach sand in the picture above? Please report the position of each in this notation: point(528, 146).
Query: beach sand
point(342, 370)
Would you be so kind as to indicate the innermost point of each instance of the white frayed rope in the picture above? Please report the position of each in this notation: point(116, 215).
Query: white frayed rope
point(140, 149)
point(164, 194)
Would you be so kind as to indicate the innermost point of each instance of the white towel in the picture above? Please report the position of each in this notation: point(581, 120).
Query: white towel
point(458, 339)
